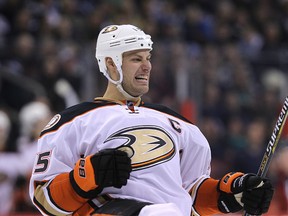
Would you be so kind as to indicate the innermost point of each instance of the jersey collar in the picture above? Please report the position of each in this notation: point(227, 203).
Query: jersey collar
point(121, 102)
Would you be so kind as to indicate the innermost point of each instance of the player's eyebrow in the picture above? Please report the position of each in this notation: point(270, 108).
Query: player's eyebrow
point(139, 56)
point(134, 53)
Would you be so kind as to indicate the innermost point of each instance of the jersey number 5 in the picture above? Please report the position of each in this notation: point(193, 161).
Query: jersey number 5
point(42, 162)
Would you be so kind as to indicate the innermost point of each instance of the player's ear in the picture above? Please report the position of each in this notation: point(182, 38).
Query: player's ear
point(109, 62)
point(112, 69)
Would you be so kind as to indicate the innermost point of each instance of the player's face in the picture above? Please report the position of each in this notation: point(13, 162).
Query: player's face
point(136, 67)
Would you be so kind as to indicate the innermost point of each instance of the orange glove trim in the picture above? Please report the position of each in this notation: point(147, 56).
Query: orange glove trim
point(84, 174)
point(227, 181)
point(63, 195)
point(207, 197)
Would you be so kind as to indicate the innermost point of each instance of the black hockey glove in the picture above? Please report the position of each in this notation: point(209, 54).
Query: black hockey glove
point(257, 196)
point(106, 168)
point(249, 191)
point(228, 186)
point(111, 167)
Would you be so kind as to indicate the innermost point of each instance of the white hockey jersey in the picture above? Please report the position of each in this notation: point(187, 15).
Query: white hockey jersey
point(168, 153)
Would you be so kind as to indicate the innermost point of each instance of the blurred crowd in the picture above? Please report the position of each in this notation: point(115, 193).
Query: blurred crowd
point(222, 64)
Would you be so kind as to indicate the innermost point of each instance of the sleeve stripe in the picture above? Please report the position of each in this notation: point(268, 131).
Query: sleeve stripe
point(43, 204)
point(41, 208)
point(51, 199)
point(206, 197)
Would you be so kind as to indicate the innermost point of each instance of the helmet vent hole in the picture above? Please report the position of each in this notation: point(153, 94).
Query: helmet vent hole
point(130, 40)
point(115, 43)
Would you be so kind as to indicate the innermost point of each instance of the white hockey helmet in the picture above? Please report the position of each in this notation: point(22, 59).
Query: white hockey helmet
point(113, 41)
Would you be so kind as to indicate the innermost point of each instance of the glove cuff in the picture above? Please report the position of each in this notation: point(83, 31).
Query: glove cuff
point(227, 203)
point(84, 194)
point(82, 178)
point(230, 187)
point(227, 182)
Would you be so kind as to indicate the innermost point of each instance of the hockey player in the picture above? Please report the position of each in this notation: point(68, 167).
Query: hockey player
point(119, 155)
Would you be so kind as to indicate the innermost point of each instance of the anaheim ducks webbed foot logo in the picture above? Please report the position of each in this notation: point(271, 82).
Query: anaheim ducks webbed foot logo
point(146, 145)
point(110, 29)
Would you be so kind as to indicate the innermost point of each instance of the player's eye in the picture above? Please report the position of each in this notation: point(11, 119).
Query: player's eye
point(136, 59)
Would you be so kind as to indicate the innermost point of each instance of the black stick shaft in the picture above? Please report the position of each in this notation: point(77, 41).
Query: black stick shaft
point(273, 142)
point(274, 139)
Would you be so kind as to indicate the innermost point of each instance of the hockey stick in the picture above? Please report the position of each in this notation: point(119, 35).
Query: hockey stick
point(273, 142)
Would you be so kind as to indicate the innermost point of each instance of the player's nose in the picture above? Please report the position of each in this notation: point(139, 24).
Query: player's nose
point(146, 66)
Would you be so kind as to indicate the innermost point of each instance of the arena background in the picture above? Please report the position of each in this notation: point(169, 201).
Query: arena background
point(222, 64)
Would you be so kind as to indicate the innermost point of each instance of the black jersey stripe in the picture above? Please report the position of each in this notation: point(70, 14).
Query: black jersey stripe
point(70, 113)
point(164, 109)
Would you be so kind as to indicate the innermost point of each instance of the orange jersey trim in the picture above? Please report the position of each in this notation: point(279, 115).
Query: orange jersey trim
point(63, 195)
point(207, 198)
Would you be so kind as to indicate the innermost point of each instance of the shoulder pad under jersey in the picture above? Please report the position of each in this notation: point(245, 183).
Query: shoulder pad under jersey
point(166, 110)
point(68, 114)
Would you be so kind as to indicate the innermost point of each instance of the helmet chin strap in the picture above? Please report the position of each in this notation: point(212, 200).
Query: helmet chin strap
point(118, 84)
point(124, 93)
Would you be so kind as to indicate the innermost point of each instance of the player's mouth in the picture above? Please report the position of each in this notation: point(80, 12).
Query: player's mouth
point(142, 78)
